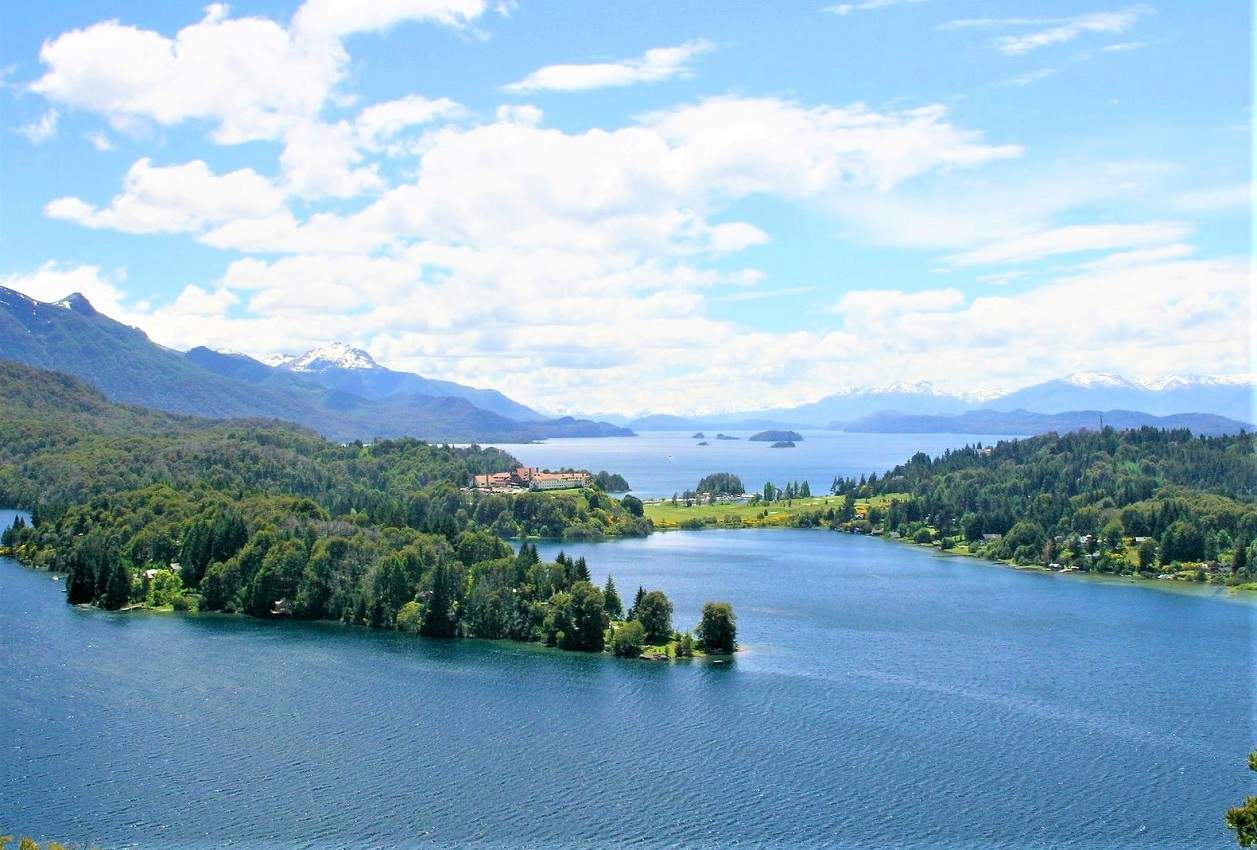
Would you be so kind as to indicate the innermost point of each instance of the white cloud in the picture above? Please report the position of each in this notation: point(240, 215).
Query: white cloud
point(100, 141)
point(1052, 31)
point(382, 121)
point(1071, 239)
point(251, 77)
point(177, 198)
point(322, 160)
point(1140, 256)
point(862, 307)
point(1123, 46)
point(338, 18)
point(41, 129)
point(867, 5)
point(524, 114)
point(653, 66)
point(53, 281)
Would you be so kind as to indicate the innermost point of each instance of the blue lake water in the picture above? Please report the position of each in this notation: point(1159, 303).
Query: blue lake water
point(660, 463)
point(889, 697)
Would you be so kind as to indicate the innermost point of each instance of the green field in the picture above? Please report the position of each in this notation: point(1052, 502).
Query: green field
point(778, 514)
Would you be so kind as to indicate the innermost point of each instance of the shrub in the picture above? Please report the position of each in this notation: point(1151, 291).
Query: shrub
point(628, 640)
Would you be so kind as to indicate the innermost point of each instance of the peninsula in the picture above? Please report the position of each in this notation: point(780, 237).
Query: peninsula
point(271, 520)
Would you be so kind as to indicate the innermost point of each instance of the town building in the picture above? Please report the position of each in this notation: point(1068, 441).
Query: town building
point(531, 478)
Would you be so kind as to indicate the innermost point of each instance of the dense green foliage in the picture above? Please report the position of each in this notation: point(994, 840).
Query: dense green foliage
point(717, 631)
point(1084, 499)
point(1243, 818)
point(720, 484)
point(611, 482)
point(138, 507)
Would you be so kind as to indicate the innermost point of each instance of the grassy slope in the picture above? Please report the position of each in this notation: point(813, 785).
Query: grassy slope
point(779, 514)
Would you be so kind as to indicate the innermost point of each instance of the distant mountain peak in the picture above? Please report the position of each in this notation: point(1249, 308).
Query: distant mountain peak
point(336, 355)
point(77, 302)
point(1096, 379)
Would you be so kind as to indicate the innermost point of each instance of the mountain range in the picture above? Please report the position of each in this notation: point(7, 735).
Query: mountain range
point(338, 391)
point(1027, 423)
point(1078, 393)
point(343, 393)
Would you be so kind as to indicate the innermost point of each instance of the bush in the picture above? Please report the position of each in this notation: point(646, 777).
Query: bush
point(186, 602)
point(922, 535)
point(629, 640)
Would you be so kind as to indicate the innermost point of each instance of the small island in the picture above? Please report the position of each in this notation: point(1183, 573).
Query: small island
point(699, 436)
point(782, 444)
point(703, 443)
point(726, 437)
point(777, 437)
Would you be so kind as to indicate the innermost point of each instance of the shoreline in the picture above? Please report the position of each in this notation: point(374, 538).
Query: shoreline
point(652, 653)
point(1235, 592)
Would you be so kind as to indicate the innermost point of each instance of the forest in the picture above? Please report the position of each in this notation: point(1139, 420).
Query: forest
point(1112, 501)
point(138, 507)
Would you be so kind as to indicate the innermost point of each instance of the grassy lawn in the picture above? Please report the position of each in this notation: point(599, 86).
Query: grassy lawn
point(665, 516)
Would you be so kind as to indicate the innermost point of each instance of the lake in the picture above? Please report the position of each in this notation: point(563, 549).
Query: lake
point(660, 463)
point(889, 697)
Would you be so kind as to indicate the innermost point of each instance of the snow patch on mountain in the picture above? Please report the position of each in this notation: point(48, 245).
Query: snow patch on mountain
point(337, 355)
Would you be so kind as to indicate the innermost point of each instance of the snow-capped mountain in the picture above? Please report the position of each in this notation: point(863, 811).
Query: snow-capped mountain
point(344, 368)
point(337, 355)
point(1230, 396)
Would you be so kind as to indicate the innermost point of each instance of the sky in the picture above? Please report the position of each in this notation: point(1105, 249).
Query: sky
point(655, 205)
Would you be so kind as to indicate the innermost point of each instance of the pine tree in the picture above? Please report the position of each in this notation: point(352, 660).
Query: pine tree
point(611, 599)
point(118, 587)
point(580, 571)
point(637, 600)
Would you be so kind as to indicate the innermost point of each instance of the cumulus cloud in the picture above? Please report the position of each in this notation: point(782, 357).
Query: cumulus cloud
point(653, 66)
point(251, 77)
point(383, 121)
point(53, 281)
point(172, 199)
point(579, 266)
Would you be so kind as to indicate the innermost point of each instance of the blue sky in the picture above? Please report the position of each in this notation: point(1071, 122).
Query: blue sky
point(652, 205)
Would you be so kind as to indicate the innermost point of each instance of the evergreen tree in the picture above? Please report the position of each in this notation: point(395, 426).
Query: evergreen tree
point(637, 600)
point(118, 587)
point(439, 616)
point(611, 600)
point(654, 612)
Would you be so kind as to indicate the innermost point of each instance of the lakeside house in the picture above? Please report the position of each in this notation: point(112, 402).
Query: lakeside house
point(531, 478)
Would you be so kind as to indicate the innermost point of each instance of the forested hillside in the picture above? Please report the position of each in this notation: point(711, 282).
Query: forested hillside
point(1111, 500)
point(264, 517)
